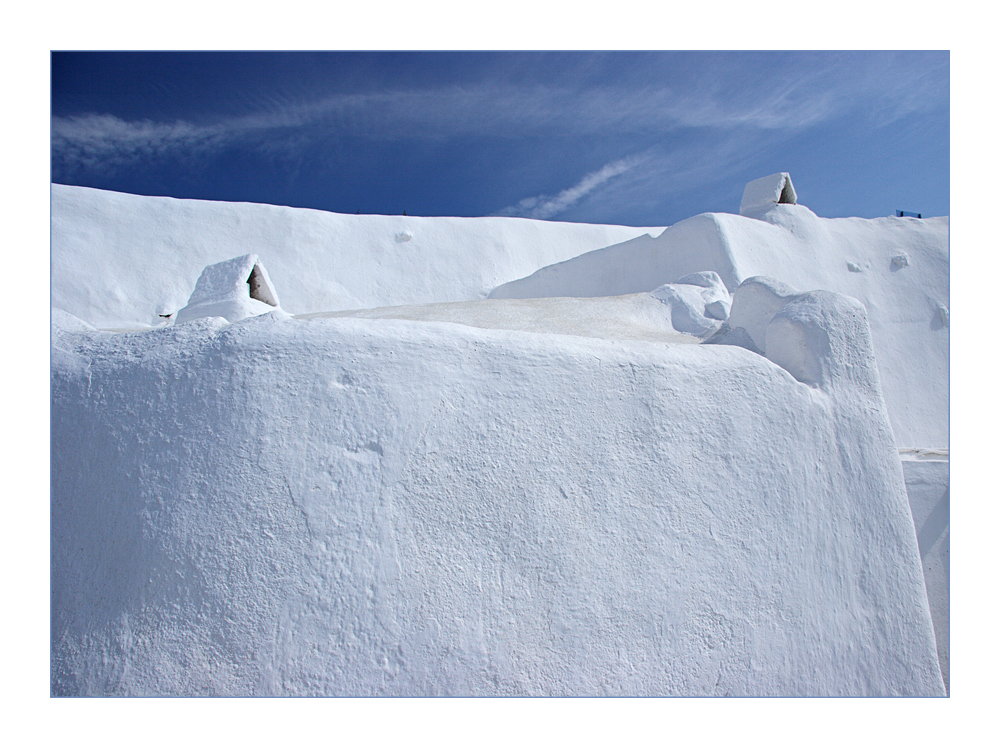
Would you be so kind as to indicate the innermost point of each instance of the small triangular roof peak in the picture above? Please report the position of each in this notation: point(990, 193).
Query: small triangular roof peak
point(234, 289)
point(764, 192)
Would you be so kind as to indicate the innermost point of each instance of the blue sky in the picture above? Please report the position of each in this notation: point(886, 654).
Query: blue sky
point(637, 138)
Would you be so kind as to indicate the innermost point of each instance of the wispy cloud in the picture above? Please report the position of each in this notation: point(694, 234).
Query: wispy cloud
point(101, 141)
point(545, 206)
point(808, 91)
point(484, 110)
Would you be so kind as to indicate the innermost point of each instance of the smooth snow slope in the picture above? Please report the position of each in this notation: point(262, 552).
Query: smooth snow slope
point(632, 317)
point(120, 261)
point(370, 506)
point(897, 267)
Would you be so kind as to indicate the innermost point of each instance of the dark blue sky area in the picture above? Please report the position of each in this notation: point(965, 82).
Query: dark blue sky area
point(639, 138)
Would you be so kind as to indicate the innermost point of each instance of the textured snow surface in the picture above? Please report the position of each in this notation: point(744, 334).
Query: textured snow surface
point(927, 484)
point(640, 264)
point(412, 489)
point(121, 261)
point(377, 506)
point(755, 302)
point(907, 302)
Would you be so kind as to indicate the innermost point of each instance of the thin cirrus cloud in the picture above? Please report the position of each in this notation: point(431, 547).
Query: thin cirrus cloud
point(795, 101)
point(91, 140)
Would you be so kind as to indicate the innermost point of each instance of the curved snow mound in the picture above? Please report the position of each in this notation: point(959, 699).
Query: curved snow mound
point(761, 194)
point(699, 303)
point(234, 289)
point(821, 338)
point(755, 302)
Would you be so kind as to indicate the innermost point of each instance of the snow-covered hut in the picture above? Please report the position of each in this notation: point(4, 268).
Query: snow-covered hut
point(234, 289)
point(763, 192)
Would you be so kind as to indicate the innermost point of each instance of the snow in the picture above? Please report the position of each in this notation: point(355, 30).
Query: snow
point(632, 317)
point(927, 486)
point(699, 303)
point(346, 506)
point(394, 485)
point(762, 193)
point(814, 336)
point(233, 289)
point(121, 261)
point(908, 304)
point(636, 265)
point(681, 313)
point(755, 303)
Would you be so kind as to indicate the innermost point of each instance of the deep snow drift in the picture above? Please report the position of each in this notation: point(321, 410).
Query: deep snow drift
point(897, 267)
point(122, 261)
point(503, 496)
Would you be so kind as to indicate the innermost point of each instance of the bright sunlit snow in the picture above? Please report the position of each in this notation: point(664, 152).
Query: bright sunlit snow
point(497, 456)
